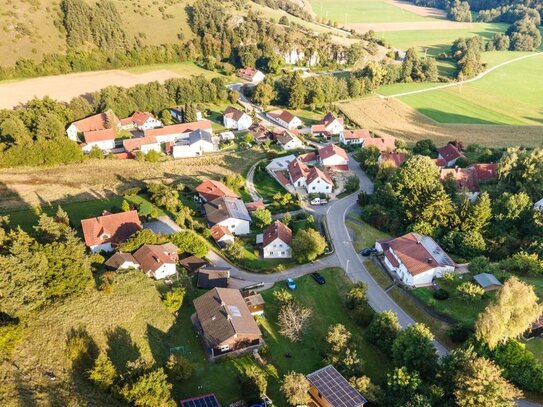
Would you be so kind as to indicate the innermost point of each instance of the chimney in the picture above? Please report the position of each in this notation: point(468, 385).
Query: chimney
point(429, 260)
point(456, 169)
point(228, 317)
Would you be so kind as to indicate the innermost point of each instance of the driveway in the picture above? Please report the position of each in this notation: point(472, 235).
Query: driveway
point(255, 196)
point(163, 225)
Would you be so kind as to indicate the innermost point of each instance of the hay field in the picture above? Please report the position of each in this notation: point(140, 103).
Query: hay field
point(98, 179)
point(392, 117)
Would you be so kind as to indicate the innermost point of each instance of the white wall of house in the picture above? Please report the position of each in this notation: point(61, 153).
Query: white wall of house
point(127, 265)
point(226, 239)
point(258, 77)
point(72, 131)
point(335, 127)
point(150, 147)
point(165, 270)
point(150, 123)
point(449, 163)
point(192, 150)
point(343, 140)
point(334, 160)
point(203, 146)
point(277, 250)
point(172, 138)
point(236, 226)
point(293, 144)
point(319, 186)
point(104, 247)
point(539, 205)
point(105, 145)
point(243, 123)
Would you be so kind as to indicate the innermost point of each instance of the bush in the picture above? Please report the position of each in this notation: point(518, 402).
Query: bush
point(283, 296)
point(441, 294)
point(173, 299)
point(363, 314)
point(459, 333)
point(470, 291)
point(357, 295)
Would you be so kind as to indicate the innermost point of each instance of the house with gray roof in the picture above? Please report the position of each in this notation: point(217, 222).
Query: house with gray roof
point(230, 213)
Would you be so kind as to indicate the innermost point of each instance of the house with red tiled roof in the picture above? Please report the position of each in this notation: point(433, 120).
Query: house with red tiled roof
point(100, 121)
point(285, 119)
point(143, 144)
point(157, 260)
point(392, 159)
point(277, 241)
point(210, 190)
point(141, 121)
point(465, 180)
point(330, 125)
point(312, 179)
point(450, 154)
point(298, 173)
point(416, 259)
point(353, 136)
point(177, 132)
point(221, 235)
point(235, 119)
point(252, 75)
point(486, 172)
point(383, 144)
point(104, 233)
point(102, 139)
point(333, 156)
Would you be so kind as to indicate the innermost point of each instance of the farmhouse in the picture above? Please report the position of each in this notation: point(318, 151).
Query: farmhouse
point(285, 119)
point(333, 156)
point(298, 173)
point(230, 213)
point(236, 119)
point(210, 190)
point(225, 324)
point(213, 277)
point(416, 259)
point(198, 143)
point(252, 75)
point(102, 139)
point(221, 235)
point(288, 141)
point(392, 159)
point(328, 388)
point(105, 232)
point(330, 125)
point(383, 144)
point(100, 121)
point(140, 121)
point(450, 154)
point(277, 241)
point(176, 132)
point(353, 136)
point(121, 261)
point(143, 144)
point(157, 261)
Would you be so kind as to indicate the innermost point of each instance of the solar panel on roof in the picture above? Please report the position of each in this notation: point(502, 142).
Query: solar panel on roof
point(205, 401)
point(335, 388)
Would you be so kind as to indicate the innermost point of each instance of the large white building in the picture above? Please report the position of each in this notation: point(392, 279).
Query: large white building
point(416, 259)
point(333, 156)
point(277, 241)
point(177, 132)
point(100, 121)
point(198, 143)
point(102, 139)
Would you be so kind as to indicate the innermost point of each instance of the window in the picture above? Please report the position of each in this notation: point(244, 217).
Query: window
point(313, 188)
point(224, 348)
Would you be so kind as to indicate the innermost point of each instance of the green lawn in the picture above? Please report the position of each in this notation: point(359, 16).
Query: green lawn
point(265, 184)
point(378, 274)
point(536, 347)
point(509, 95)
point(185, 69)
point(367, 11)
point(365, 235)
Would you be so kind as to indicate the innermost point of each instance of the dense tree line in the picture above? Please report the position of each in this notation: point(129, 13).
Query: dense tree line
point(288, 6)
point(467, 54)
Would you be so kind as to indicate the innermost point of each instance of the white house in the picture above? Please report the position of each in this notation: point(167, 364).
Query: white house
point(141, 121)
point(176, 132)
point(330, 125)
point(157, 261)
point(143, 144)
point(230, 213)
point(298, 173)
point(539, 205)
point(236, 119)
point(318, 182)
point(450, 154)
point(100, 121)
point(277, 241)
point(252, 75)
point(227, 136)
point(416, 259)
point(103, 139)
point(222, 235)
point(198, 143)
point(285, 119)
point(122, 261)
point(288, 141)
point(104, 233)
point(353, 136)
point(333, 156)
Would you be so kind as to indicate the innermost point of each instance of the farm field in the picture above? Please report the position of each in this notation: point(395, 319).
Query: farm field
point(509, 95)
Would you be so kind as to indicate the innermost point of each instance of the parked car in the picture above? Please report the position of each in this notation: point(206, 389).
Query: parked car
point(368, 251)
point(291, 284)
point(318, 278)
point(318, 201)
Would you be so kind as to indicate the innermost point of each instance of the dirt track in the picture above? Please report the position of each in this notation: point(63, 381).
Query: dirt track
point(66, 87)
point(421, 11)
point(395, 118)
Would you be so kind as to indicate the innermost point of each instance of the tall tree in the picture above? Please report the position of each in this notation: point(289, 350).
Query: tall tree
point(295, 387)
point(413, 348)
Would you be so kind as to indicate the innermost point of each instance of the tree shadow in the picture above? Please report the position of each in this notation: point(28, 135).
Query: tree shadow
point(121, 348)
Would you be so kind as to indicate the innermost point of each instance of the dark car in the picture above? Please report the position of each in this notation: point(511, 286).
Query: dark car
point(368, 251)
point(318, 278)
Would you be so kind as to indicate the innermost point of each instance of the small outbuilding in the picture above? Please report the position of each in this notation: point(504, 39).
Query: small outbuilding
point(213, 276)
point(192, 263)
point(488, 281)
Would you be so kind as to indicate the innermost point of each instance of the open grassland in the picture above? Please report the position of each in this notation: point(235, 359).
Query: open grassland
point(392, 117)
point(29, 27)
point(509, 95)
point(21, 188)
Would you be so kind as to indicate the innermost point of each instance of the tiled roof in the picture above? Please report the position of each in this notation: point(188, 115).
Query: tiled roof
point(94, 136)
point(283, 115)
point(133, 144)
point(223, 314)
point(297, 169)
point(200, 134)
point(393, 158)
point(110, 228)
point(151, 256)
point(139, 118)
point(179, 128)
point(253, 206)
point(248, 72)
point(192, 263)
point(465, 178)
point(211, 277)
point(356, 134)
point(449, 152)
point(331, 150)
point(224, 208)
point(233, 113)
point(315, 173)
point(218, 232)
point(118, 259)
point(277, 230)
point(486, 172)
point(329, 118)
point(382, 143)
point(210, 189)
point(285, 137)
point(96, 122)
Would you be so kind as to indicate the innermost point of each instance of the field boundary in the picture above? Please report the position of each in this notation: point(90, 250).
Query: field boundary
point(459, 83)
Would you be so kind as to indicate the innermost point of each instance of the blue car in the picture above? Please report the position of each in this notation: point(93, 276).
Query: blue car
point(291, 284)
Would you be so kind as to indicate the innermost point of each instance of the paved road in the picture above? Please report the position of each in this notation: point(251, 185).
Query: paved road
point(449, 85)
point(255, 196)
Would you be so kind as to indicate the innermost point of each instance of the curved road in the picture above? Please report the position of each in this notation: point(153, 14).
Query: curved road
point(450, 85)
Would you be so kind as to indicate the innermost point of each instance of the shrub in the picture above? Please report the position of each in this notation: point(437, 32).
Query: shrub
point(470, 291)
point(357, 295)
point(459, 333)
point(173, 299)
point(363, 314)
point(179, 367)
point(441, 294)
point(282, 296)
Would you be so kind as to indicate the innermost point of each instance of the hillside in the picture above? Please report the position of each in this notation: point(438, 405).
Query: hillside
point(32, 28)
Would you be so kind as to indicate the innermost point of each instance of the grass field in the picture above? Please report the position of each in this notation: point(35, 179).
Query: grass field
point(364, 234)
point(185, 69)
point(509, 95)
point(265, 185)
point(367, 11)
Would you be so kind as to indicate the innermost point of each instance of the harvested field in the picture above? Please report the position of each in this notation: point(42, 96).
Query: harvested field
point(390, 116)
point(410, 26)
point(96, 179)
point(421, 11)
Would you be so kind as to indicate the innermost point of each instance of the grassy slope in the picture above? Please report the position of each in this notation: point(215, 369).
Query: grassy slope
point(509, 95)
